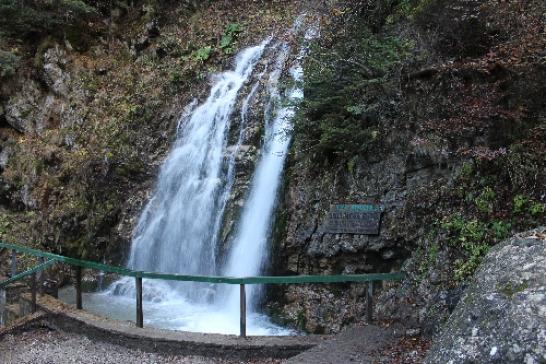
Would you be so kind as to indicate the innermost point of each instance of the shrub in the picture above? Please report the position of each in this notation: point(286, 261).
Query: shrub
point(484, 202)
point(471, 239)
point(338, 117)
point(519, 203)
point(202, 54)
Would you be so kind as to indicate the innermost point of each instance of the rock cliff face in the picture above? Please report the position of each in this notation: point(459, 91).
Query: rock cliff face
point(431, 123)
point(501, 317)
point(88, 109)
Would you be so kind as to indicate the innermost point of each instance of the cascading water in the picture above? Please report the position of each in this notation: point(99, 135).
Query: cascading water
point(175, 231)
point(250, 250)
point(179, 227)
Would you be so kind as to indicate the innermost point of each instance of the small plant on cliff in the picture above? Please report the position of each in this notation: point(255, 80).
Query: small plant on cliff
point(202, 54)
point(519, 203)
point(4, 225)
point(228, 38)
point(537, 208)
point(484, 201)
point(501, 229)
point(469, 236)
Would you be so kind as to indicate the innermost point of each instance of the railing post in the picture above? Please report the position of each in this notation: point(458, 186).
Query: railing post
point(139, 311)
point(78, 285)
point(41, 275)
point(369, 301)
point(13, 262)
point(33, 291)
point(243, 311)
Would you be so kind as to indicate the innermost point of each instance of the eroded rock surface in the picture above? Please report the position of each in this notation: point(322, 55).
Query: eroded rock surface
point(502, 316)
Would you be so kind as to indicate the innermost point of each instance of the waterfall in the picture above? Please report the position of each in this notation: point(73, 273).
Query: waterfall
point(175, 232)
point(178, 230)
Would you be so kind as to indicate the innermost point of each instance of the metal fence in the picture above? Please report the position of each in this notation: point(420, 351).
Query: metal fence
point(48, 259)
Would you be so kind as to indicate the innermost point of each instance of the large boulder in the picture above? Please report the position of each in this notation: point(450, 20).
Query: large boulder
point(502, 315)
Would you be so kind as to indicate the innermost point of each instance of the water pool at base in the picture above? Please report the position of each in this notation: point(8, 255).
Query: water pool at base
point(175, 313)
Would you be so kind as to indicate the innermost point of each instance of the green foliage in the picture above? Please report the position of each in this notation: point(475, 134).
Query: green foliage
point(537, 208)
point(4, 225)
point(467, 169)
point(501, 229)
point(176, 77)
point(466, 232)
point(233, 28)
point(226, 41)
point(226, 44)
point(228, 38)
point(8, 64)
point(356, 110)
point(301, 320)
point(338, 116)
point(523, 204)
point(428, 257)
point(471, 238)
point(408, 9)
point(484, 201)
point(202, 54)
point(351, 165)
point(520, 201)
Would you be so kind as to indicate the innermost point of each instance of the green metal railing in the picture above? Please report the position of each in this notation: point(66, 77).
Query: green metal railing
point(139, 275)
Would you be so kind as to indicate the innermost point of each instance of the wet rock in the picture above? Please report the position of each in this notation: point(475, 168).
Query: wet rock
point(502, 316)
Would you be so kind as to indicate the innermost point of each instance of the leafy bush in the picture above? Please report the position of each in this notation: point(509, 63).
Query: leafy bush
point(537, 208)
point(519, 203)
point(470, 236)
point(202, 54)
point(471, 239)
point(501, 229)
point(484, 202)
point(229, 37)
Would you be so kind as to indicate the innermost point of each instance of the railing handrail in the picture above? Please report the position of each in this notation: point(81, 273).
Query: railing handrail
point(298, 279)
point(27, 273)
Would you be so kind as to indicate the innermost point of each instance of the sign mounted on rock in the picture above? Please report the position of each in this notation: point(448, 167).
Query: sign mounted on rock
point(361, 219)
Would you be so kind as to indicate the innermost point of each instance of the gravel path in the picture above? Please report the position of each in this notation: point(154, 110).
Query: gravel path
point(363, 345)
point(43, 346)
